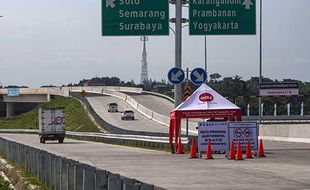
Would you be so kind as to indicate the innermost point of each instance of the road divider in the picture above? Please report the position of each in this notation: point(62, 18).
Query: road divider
point(62, 173)
point(151, 142)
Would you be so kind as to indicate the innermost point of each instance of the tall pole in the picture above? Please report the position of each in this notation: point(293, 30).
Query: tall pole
point(206, 57)
point(178, 49)
point(260, 56)
point(144, 71)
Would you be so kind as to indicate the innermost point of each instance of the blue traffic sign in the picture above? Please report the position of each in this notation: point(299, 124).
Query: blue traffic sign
point(198, 76)
point(176, 75)
point(13, 91)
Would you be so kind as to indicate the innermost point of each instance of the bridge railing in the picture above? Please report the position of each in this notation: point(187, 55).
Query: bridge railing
point(58, 172)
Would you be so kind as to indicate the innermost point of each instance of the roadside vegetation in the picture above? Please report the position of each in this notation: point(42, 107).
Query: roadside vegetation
point(18, 177)
point(76, 117)
point(4, 185)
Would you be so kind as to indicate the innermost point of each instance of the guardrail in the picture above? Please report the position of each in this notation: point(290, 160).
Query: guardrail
point(61, 173)
point(279, 119)
point(64, 91)
point(159, 95)
point(156, 142)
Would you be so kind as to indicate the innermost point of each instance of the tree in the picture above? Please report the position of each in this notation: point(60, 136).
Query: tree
point(214, 77)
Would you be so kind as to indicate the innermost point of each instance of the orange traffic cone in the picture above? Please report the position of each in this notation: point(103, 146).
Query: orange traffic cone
point(232, 150)
point(180, 147)
point(261, 152)
point(239, 152)
point(193, 149)
point(248, 151)
point(209, 151)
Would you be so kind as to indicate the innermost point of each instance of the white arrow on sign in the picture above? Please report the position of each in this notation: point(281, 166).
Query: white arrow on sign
point(174, 77)
point(109, 3)
point(247, 4)
point(198, 76)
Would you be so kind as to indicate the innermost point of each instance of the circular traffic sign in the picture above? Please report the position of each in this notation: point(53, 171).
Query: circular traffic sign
point(238, 132)
point(247, 132)
point(198, 76)
point(176, 75)
point(58, 120)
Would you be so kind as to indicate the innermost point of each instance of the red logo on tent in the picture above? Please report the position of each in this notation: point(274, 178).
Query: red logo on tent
point(206, 97)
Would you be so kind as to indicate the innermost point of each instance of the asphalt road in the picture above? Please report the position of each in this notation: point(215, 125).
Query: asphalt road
point(285, 167)
point(141, 123)
point(154, 103)
point(164, 107)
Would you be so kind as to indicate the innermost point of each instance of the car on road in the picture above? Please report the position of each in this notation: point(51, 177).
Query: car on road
point(127, 114)
point(112, 107)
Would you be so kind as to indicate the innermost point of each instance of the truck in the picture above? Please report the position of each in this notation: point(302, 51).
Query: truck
point(52, 124)
point(112, 107)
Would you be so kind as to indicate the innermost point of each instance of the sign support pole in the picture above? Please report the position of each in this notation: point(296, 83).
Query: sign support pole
point(178, 49)
point(206, 57)
point(260, 59)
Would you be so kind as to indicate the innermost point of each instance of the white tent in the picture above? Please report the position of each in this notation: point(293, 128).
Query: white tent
point(203, 103)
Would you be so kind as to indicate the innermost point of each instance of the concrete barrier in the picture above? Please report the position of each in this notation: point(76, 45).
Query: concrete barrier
point(159, 95)
point(164, 120)
point(287, 130)
point(66, 174)
point(145, 111)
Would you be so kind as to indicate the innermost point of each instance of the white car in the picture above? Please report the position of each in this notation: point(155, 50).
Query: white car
point(128, 114)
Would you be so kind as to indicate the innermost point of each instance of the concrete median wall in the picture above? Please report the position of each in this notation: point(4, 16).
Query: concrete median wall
point(61, 173)
point(285, 130)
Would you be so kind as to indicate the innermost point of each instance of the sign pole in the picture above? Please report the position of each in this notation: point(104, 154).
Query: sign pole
point(206, 57)
point(178, 49)
point(260, 58)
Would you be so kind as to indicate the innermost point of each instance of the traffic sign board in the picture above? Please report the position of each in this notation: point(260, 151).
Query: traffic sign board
point(279, 89)
point(83, 93)
point(198, 76)
point(229, 17)
point(135, 17)
point(187, 91)
point(13, 91)
point(176, 75)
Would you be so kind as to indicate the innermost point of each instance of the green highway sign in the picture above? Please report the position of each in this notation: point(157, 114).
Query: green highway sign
point(135, 17)
point(222, 17)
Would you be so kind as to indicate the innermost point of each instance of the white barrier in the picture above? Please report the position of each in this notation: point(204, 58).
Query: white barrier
point(145, 111)
point(164, 120)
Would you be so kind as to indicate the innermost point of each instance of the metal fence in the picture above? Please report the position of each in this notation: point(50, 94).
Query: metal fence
point(59, 173)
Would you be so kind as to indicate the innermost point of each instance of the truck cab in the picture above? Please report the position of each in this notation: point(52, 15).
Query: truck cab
point(112, 107)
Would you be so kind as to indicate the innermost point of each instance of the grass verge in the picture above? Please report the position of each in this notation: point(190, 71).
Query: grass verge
point(76, 117)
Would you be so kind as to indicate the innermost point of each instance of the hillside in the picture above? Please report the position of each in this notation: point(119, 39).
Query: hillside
point(76, 117)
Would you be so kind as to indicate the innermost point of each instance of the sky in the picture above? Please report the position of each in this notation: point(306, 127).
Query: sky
point(59, 42)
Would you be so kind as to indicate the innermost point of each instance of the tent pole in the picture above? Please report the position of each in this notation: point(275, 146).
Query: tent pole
point(187, 71)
